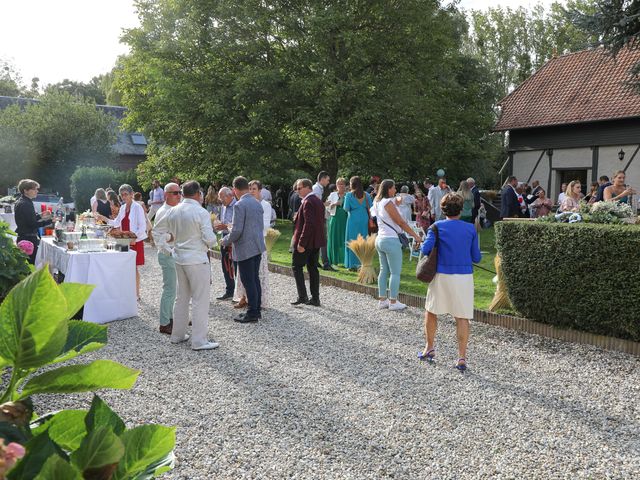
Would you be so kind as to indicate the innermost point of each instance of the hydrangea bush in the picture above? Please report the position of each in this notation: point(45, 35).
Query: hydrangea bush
point(599, 212)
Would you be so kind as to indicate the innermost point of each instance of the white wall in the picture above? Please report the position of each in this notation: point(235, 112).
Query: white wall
point(608, 163)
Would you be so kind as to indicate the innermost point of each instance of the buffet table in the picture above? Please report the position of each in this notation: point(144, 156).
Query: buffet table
point(113, 274)
point(10, 219)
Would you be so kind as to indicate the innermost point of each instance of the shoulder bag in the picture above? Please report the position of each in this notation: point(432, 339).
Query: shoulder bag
point(426, 268)
point(372, 226)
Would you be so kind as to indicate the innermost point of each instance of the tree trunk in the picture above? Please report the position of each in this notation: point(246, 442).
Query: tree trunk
point(329, 158)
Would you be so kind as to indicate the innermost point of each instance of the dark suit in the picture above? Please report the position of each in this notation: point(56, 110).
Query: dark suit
point(600, 194)
point(310, 233)
point(476, 203)
point(28, 222)
point(509, 205)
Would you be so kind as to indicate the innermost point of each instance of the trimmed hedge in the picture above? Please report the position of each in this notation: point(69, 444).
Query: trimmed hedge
point(581, 276)
point(85, 181)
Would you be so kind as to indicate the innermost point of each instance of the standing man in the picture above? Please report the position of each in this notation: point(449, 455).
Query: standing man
point(435, 195)
point(563, 193)
point(603, 183)
point(509, 204)
point(188, 226)
point(226, 217)
point(309, 236)
point(167, 262)
point(476, 199)
point(156, 199)
point(318, 191)
point(248, 244)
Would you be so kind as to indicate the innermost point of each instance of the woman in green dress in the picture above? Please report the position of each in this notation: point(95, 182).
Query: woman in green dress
point(337, 224)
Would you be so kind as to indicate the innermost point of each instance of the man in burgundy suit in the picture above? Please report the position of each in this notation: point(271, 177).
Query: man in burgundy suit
point(309, 235)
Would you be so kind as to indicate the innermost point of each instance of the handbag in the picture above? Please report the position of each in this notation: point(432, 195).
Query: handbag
point(426, 268)
point(372, 226)
point(404, 241)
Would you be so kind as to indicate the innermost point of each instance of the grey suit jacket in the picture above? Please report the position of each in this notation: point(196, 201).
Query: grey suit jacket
point(247, 234)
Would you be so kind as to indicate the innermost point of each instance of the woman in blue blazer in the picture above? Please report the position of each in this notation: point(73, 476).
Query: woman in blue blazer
point(451, 290)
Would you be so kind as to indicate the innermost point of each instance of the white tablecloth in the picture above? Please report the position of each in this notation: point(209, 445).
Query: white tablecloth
point(10, 219)
point(113, 274)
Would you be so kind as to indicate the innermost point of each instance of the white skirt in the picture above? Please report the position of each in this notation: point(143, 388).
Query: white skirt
point(452, 294)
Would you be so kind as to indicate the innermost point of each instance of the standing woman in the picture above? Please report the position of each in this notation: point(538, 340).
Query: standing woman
point(451, 290)
point(212, 202)
point(573, 194)
point(114, 202)
point(27, 220)
point(467, 195)
point(618, 192)
point(131, 218)
point(423, 210)
point(390, 224)
point(357, 203)
point(102, 205)
point(405, 206)
point(337, 223)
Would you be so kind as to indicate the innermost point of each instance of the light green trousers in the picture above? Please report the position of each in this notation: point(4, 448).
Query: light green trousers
point(168, 265)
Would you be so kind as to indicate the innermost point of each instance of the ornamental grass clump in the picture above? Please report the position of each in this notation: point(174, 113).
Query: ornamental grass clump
point(270, 239)
point(365, 250)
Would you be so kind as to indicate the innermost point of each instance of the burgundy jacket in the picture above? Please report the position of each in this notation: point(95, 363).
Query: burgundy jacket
point(310, 230)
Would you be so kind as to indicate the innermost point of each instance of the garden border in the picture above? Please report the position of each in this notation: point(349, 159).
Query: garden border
point(509, 322)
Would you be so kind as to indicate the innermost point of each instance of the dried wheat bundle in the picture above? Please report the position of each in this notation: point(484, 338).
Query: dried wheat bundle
point(271, 238)
point(500, 299)
point(365, 250)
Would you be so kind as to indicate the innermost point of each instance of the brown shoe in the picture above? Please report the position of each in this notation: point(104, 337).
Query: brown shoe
point(167, 329)
point(241, 304)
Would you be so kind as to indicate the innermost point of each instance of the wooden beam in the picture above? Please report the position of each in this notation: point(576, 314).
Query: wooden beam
point(595, 155)
point(631, 159)
point(536, 166)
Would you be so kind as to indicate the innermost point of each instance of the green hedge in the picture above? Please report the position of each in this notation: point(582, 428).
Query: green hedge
point(582, 276)
point(85, 181)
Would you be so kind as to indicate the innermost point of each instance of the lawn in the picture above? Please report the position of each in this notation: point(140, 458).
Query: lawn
point(485, 288)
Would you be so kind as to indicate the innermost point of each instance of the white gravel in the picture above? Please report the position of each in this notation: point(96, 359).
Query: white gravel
point(337, 392)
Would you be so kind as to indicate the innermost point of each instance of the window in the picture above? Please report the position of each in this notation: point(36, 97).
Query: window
point(138, 139)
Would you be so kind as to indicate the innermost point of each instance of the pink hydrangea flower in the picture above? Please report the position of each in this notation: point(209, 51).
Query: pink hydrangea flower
point(26, 246)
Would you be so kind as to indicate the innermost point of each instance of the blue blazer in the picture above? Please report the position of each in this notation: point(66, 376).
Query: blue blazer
point(247, 232)
point(509, 205)
point(458, 246)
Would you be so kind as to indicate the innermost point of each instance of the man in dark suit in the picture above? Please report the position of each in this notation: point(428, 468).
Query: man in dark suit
point(248, 244)
point(509, 205)
point(476, 199)
point(603, 183)
point(309, 235)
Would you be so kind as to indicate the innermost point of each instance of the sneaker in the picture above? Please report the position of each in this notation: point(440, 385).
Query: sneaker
point(382, 304)
point(180, 340)
point(397, 306)
point(207, 346)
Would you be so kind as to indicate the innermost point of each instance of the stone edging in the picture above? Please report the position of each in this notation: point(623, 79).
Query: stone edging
point(506, 321)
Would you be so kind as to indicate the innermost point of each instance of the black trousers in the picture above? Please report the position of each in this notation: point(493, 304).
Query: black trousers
point(228, 269)
point(33, 239)
point(310, 259)
point(249, 271)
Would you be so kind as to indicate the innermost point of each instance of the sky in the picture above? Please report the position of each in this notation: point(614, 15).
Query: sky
point(79, 39)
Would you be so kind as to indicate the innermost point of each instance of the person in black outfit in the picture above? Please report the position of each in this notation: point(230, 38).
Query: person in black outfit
point(604, 183)
point(509, 206)
point(27, 220)
point(103, 207)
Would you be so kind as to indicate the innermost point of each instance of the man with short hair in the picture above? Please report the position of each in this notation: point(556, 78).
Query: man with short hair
point(172, 197)
point(188, 226)
point(509, 204)
point(603, 183)
point(247, 239)
point(156, 199)
point(309, 236)
point(563, 193)
point(436, 193)
point(476, 199)
point(318, 191)
point(226, 217)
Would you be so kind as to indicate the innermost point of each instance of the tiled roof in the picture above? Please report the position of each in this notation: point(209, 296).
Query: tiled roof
point(579, 87)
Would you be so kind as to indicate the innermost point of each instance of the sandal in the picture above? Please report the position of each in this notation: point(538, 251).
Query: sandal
point(462, 364)
point(428, 356)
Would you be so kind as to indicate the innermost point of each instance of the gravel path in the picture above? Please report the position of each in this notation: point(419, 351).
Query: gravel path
point(337, 392)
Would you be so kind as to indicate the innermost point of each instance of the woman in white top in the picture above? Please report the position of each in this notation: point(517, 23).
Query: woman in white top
point(255, 189)
point(390, 224)
point(571, 202)
point(131, 218)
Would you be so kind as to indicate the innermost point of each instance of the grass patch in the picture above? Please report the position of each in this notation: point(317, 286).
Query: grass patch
point(484, 287)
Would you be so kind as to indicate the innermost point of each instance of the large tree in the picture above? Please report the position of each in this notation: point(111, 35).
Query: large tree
point(283, 87)
point(48, 139)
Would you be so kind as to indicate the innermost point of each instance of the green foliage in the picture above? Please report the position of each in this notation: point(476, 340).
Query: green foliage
point(230, 87)
point(35, 331)
point(582, 276)
point(49, 139)
point(91, 91)
point(15, 263)
point(85, 181)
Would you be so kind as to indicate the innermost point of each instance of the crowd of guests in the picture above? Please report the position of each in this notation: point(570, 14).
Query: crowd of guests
point(524, 201)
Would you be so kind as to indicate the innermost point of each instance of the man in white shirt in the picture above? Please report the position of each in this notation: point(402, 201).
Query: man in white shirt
point(318, 190)
point(172, 197)
point(563, 193)
point(188, 226)
point(435, 195)
point(156, 199)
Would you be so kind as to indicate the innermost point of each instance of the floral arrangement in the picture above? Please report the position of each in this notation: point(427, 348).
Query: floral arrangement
point(365, 250)
point(599, 212)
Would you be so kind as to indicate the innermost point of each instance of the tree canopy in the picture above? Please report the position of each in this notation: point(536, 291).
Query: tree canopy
point(225, 87)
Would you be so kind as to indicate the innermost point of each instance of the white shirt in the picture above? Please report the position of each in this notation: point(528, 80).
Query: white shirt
point(561, 198)
point(94, 203)
point(156, 196)
point(162, 211)
point(333, 199)
point(386, 226)
point(190, 225)
point(266, 216)
point(435, 195)
point(137, 220)
point(317, 190)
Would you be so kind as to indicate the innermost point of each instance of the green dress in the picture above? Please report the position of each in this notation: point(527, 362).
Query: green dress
point(336, 237)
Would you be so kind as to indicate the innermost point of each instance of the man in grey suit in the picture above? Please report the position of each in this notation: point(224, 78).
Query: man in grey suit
point(248, 244)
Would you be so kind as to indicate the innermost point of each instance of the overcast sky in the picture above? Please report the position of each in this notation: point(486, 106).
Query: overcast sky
point(78, 39)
